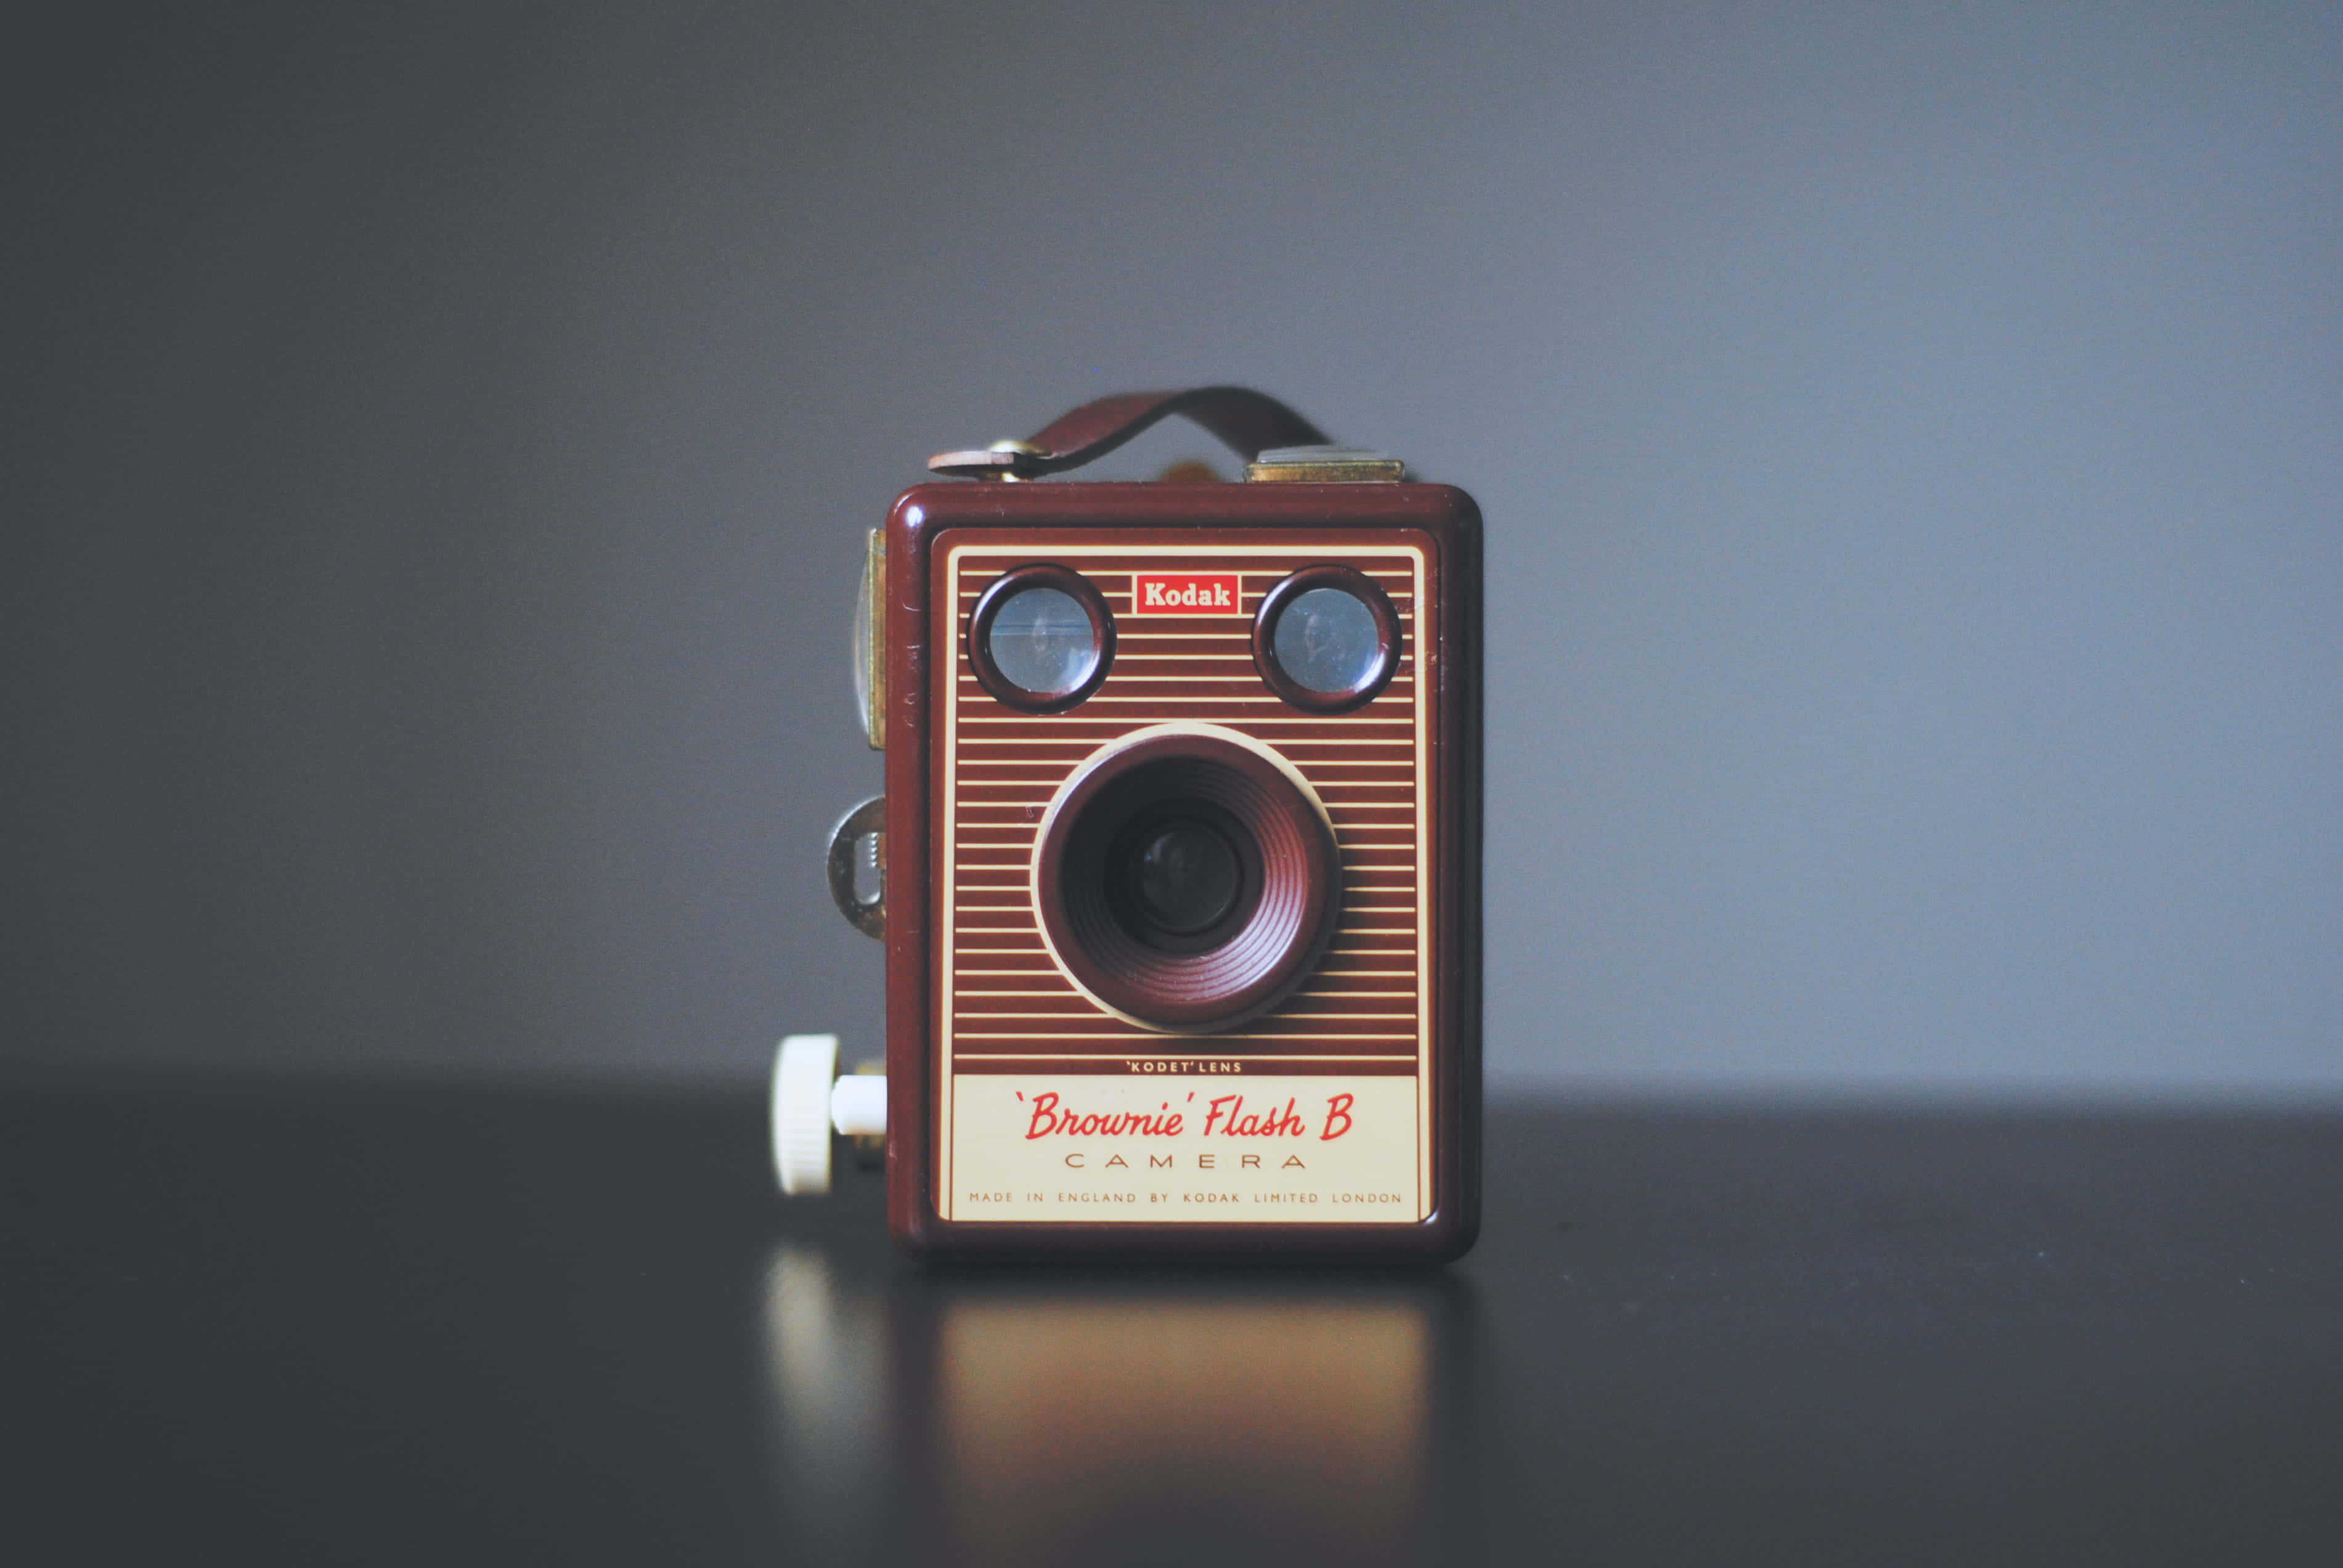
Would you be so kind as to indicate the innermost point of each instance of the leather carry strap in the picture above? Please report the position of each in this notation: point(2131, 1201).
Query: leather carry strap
point(1250, 422)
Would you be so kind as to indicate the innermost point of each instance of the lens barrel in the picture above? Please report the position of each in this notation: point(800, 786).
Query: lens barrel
point(1186, 881)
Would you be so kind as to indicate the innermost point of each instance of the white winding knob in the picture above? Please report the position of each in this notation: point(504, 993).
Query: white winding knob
point(803, 1071)
point(810, 1100)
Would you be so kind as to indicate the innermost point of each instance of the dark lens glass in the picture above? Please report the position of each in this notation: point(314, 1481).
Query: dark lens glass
point(1185, 877)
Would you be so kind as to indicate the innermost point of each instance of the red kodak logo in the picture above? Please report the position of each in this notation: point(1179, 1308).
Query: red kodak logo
point(1184, 593)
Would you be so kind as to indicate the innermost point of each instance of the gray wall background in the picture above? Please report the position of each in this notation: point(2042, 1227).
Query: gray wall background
point(438, 439)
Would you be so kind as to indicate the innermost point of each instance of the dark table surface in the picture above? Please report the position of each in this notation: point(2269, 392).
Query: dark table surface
point(438, 1323)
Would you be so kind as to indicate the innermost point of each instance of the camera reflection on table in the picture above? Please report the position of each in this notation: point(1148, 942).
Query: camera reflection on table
point(461, 1324)
point(1007, 1417)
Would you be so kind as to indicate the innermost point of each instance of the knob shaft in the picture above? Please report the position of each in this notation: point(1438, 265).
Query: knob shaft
point(858, 1106)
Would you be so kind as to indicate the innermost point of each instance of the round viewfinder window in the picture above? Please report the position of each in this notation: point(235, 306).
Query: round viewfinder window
point(1326, 638)
point(1328, 641)
point(1040, 639)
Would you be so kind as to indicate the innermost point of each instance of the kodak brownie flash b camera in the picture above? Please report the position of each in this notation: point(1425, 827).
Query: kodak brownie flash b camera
point(1177, 864)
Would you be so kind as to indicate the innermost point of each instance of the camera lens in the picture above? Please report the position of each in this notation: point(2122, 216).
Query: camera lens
point(1327, 641)
point(1180, 874)
point(1041, 640)
point(1326, 638)
point(1187, 877)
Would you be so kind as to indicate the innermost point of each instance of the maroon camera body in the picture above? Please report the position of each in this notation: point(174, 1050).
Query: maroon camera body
point(1181, 850)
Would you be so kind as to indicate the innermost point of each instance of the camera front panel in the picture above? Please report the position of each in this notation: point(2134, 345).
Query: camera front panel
point(1184, 836)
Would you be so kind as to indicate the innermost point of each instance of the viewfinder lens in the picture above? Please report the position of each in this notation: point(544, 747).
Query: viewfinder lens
point(1041, 640)
point(1327, 641)
point(1040, 637)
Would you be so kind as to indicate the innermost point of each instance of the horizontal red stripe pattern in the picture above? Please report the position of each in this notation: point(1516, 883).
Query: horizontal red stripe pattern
point(1012, 1010)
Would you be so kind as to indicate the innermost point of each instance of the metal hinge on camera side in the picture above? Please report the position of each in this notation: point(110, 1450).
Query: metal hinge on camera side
point(858, 845)
point(858, 853)
point(870, 641)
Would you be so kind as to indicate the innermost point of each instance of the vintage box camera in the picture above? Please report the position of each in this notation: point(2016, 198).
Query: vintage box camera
point(1180, 853)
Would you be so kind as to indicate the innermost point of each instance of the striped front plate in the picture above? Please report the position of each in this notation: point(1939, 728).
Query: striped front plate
point(1344, 1060)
